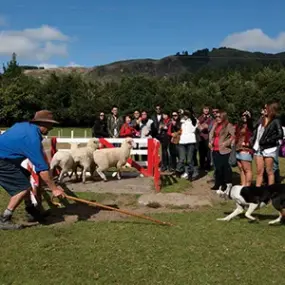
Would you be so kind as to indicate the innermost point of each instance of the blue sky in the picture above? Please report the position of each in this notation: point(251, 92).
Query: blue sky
point(95, 32)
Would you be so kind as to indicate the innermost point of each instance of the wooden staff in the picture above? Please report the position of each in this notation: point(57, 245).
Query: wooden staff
point(117, 210)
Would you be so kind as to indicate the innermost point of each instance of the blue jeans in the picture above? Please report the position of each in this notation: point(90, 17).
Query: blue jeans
point(186, 158)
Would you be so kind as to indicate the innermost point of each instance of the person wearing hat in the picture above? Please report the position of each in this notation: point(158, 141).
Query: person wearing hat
point(24, 141)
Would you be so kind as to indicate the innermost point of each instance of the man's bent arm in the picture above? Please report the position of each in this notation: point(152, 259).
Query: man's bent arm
point(47, 178)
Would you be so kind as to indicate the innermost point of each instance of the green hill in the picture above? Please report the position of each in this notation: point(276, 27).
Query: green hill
point(217, 58)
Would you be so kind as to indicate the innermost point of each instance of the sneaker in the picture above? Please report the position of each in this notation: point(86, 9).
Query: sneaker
point(184, 175)
point(195, 173)
point(7, 224)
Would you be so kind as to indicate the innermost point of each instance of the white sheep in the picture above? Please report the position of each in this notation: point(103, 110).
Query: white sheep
point(113, 157)
point(64, 160)
point(83, 157)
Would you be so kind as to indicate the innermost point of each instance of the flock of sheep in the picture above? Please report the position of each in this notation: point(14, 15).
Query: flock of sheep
point(91, 158)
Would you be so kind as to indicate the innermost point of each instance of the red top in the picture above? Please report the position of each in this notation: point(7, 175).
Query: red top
point(243, 135)
point(216, 137)
point(127, 131)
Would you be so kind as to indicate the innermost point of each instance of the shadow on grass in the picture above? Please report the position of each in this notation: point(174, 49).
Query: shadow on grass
point(261, 217)
point(141, 222)
point(72, 208)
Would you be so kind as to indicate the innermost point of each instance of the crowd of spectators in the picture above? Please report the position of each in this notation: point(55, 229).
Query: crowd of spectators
point(191, 145)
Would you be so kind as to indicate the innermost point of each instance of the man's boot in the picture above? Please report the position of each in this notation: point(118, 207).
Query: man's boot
point(7, 224)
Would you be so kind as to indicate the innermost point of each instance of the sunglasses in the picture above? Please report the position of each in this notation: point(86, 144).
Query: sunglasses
point(102, 115)
point(174, 115)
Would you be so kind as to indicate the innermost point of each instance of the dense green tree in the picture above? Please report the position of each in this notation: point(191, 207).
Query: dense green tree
point(76, 101)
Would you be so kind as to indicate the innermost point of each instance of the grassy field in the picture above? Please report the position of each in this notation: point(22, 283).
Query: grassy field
point(197, 250)
point(66, 132)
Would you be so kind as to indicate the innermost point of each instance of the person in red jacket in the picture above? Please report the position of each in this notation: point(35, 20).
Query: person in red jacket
point(127, 130)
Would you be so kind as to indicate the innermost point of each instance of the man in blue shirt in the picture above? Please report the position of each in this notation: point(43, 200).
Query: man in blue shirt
point(22, 141)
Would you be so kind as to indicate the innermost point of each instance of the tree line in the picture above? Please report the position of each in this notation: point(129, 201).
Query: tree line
point(76, 101)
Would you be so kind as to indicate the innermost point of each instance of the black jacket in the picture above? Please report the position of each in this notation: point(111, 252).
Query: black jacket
point(99, 129)
point(273, 133)
point(156, 123)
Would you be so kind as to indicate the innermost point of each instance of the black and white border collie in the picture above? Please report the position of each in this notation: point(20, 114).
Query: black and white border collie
point(250, 198)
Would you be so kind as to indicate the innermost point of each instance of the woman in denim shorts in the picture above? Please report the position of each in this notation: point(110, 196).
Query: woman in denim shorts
point(265, 140)
point(244, 152)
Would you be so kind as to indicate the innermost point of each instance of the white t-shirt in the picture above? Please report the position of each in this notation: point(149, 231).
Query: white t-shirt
point(188, 134)
point(146, 128)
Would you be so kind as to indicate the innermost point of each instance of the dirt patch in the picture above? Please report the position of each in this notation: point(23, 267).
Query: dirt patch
point(174, 200)
point(197, 195)
point(137, 198)
point(131, 183)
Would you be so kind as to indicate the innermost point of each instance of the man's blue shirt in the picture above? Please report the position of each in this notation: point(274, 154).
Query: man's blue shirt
point(21, 141)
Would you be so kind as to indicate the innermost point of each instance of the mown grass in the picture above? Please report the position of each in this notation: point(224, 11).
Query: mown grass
point(197, 250)
point(66, 132)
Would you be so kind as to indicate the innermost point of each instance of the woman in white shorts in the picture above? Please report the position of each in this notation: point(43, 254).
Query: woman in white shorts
point(265, 140)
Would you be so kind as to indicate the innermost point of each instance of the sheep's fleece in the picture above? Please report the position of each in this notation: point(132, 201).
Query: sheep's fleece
point(83, 156)
point(113, 157)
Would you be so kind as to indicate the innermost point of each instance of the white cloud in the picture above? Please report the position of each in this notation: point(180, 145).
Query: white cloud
point(44, 33)
point(39, 43)
point(47, 65)
point(255, 39)
point(3, 20)
point(73, 64)
point(50, 65)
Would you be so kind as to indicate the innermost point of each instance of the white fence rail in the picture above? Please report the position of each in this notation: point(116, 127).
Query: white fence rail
point(141, 142)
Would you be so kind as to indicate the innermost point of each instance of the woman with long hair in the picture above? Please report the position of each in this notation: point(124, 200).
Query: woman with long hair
point(265, 142)
point(174, 132)
point(164, 138)
point(244, 151)
point(221, 139)
point(100, 129)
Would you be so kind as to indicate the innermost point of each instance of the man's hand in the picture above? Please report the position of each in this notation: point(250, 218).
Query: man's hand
point(47, 178)
point(58, 192)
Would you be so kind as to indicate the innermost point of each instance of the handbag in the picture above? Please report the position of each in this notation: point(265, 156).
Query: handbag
point(282, 149)
point(233, 158)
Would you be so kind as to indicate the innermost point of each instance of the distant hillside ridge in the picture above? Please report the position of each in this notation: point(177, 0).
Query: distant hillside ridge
point(173, 65)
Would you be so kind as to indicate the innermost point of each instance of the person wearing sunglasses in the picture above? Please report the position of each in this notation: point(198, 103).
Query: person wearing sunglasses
point(99, 129)
point(174, 132)
point(221, 140)
point(266, 141)
point(244, 152)
point(205, 120)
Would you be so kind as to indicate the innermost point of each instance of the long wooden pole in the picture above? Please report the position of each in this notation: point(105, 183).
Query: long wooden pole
point(117, 210)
